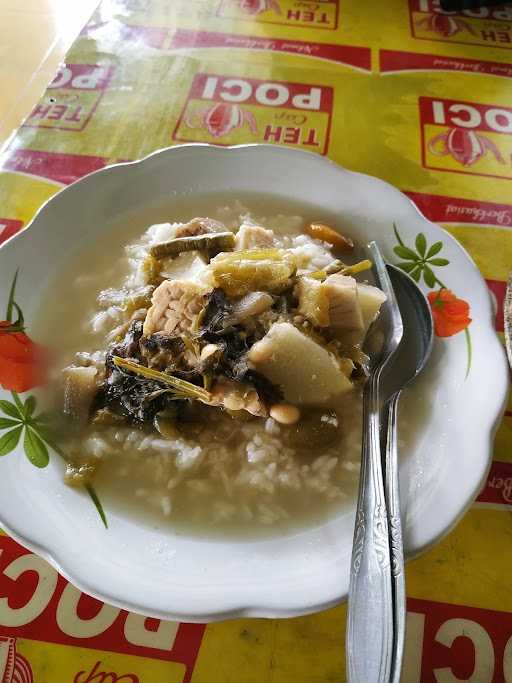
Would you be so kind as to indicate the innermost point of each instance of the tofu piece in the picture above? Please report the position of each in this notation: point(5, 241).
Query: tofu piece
point(304, 370)
point(344, 308)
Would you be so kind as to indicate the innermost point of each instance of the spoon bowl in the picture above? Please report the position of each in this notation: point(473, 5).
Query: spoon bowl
point(418, 332)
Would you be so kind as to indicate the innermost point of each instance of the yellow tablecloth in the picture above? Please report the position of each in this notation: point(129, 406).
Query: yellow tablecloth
point(396, 89)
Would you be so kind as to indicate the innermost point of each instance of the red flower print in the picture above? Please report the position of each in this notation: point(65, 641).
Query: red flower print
point(21, 360)
point(451, 315)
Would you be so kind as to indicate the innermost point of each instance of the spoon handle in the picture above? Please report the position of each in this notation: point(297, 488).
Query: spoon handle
point(395, 538)
point(370, 612)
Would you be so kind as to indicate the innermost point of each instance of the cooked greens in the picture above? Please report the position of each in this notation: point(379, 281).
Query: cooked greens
point(213, 242)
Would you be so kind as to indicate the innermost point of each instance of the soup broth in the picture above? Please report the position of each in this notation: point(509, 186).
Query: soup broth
point(211, 469)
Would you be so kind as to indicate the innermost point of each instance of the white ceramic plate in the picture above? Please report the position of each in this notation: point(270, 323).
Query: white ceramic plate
point(155, 572)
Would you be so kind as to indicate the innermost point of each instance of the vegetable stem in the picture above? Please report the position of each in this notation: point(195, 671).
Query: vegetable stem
point(181, 388)
point(357, 267)
point(211, 241)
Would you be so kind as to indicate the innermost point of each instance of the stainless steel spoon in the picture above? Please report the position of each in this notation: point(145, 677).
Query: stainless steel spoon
point(376, 620)
point(409, 361)
point(370, 606)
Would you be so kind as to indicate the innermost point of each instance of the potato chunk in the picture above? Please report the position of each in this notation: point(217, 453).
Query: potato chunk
point(305, 371)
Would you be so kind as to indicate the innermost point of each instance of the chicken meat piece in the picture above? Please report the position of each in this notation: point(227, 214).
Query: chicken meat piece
point(253, 237)
point(332, 303)
point(304, 371)
point(175, 307)
point(344, 309)
point(237, 396)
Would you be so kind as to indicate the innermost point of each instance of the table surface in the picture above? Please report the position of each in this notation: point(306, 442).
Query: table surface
point(395, 76)
point(34, 37)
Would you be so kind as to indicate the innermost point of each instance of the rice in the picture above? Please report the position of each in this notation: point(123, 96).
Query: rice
point(259, 479)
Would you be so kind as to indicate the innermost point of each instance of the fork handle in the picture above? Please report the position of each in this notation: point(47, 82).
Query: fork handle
point(370, 612)
point(395, 538)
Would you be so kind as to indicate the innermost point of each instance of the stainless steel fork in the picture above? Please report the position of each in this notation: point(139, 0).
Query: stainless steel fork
point(370, 610)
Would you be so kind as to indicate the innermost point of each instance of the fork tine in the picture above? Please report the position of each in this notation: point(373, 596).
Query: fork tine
point(384, 282)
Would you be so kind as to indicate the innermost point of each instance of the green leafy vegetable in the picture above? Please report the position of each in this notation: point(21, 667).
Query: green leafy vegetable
point(220, 241)
point(181, 389)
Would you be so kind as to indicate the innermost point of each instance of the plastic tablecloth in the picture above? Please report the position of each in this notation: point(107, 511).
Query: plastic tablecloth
point(399, 89)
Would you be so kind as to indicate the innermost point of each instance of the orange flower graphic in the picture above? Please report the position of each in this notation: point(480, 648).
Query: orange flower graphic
point(451, 315)
point(21, 360)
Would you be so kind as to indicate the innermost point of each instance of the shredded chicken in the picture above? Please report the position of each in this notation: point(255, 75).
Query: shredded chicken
point(175, 307)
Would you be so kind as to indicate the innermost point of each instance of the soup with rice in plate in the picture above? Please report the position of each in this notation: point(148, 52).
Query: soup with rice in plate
point(218, 380)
